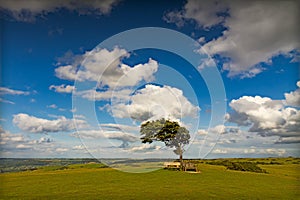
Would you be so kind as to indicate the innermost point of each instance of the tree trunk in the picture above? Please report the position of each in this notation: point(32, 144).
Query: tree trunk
point(181, 159)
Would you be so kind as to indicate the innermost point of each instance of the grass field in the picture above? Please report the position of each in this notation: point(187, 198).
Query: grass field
point(90, 181)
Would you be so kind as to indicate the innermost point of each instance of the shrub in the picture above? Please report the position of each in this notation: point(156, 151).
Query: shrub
point(239, 166)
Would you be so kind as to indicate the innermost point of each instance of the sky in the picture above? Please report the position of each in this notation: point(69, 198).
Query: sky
point(78, 78)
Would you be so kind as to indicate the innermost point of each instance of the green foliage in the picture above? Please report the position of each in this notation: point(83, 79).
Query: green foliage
point(20, 164)
point(239, 166)
point(169, 132)
point(74, 166)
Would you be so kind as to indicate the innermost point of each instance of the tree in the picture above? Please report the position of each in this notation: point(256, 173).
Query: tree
point(169, 132)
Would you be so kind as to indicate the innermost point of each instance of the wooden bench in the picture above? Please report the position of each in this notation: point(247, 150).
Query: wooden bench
point(172, 165)
point(190, 167)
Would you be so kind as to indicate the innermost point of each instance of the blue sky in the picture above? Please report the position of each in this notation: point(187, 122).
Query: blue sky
point(66, 93)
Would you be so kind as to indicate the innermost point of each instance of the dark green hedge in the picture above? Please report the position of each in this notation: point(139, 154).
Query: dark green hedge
point(239, 166)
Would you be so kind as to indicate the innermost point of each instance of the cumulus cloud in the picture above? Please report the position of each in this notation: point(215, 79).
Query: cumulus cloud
point(95, 95)
point(8, 91)
point(62, 88)
point(155, 102)
point(124, 137)
point(119, 77)
point(6, 137)
point(39, 125)
point(220, 151)
point(114, 78)
point(288, 140)
point(219, 129)
point(11, 142)
point(252, 151)
point(96, 62)
point(23, 146)
point(265, 116)
point(30, 10)
point(133, 75)
point(78, 147)
point(105, 66)
point(120, 127)
point(144, 148)
point(255, 31)
point(206, 62)
point(61, 150)
point(205, 13)
point(293, 98)
point(42, 140)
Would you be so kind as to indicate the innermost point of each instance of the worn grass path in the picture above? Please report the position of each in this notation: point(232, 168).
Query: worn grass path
point(215, 182)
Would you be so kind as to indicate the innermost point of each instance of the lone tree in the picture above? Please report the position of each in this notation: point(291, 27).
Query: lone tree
point(169, 132)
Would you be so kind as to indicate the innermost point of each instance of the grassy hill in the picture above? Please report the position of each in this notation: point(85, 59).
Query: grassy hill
point(92, 181)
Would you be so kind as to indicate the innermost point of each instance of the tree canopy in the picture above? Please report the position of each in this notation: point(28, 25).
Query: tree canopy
point(169, 132)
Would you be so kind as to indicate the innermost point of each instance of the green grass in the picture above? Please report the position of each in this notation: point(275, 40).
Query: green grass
point(93, 182)
point(73, 166)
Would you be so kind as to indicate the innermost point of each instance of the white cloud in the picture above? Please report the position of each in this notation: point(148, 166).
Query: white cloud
point(145, 148)
point(206, 62)
point(293, 98)
point(30, 10)
point(15, 142)
point(121, 127)
point(202, 132)
point(8, 91)
point(39, 125)
point(278, 152)
point(54, 106)
point(246, 149)
point(219, 129)
point(6, 137)
point(155, 102)
point(23, 146)
point(105, 66)
point(118, 135)
point(79, 116)
point(133, 75)
point(124, 137)
point(288, 140)
point(220, 151)
point(96, 63)
point(20, 145)
point(6, 101)
point(78, 147)
point(94, 95)
point(265, 116)
point(205, 13)
point(42, 140)
point(62, 88)
point(256, 31)
point(61, 150)
point(66, 72)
